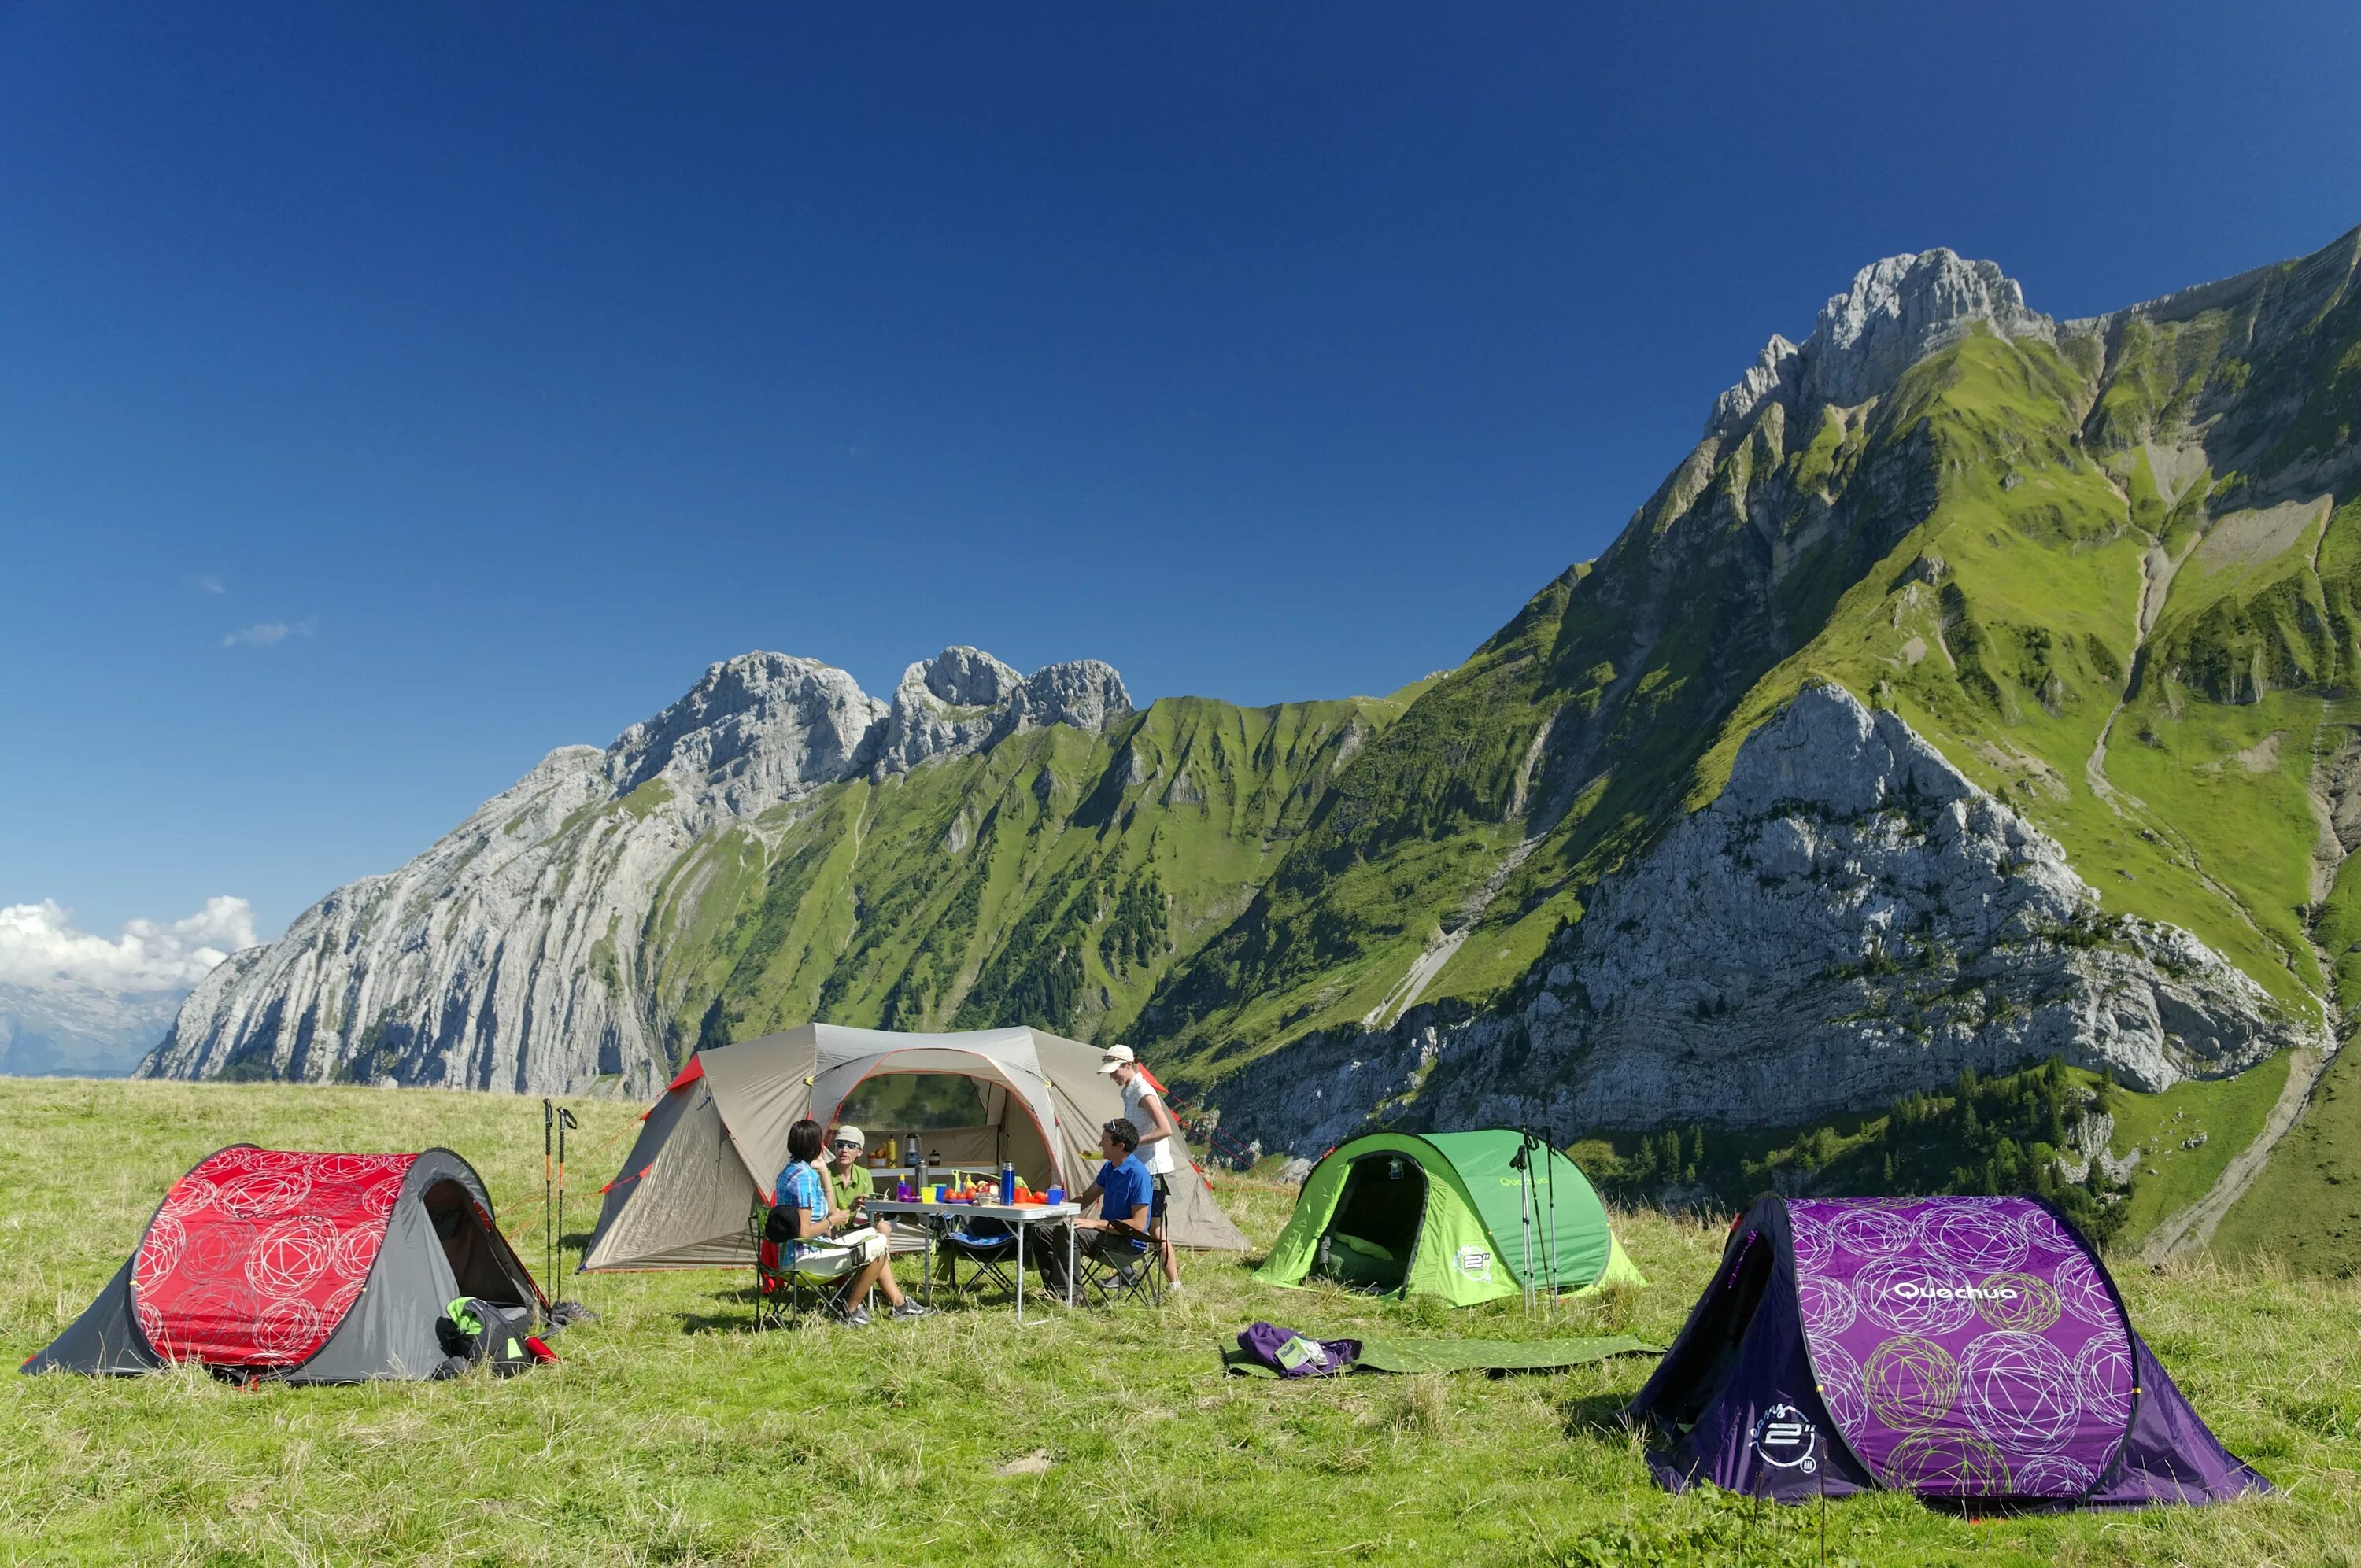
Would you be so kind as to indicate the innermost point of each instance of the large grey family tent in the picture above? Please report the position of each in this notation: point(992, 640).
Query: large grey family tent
point(1466, 1216)
point(710, 1149)
point(1954, 1347)
point(301, 1268)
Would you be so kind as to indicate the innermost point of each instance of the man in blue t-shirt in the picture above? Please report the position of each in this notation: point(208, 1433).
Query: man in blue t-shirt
point(1125, 1193)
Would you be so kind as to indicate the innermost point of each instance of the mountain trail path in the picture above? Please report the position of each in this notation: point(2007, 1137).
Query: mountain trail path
point(2185, 1234)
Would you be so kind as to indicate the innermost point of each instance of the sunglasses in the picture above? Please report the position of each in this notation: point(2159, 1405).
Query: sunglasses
point(843, 1144)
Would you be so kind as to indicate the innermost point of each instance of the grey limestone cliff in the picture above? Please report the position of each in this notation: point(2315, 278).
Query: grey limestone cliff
point(508, 955)
point(1850, 920)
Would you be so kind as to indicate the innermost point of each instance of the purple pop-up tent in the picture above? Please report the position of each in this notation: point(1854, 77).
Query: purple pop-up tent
point(1955, 1347)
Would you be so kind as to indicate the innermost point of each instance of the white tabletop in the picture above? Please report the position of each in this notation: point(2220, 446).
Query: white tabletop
point(1020, 1213)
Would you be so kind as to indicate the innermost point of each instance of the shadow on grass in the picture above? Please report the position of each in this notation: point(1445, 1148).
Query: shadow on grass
point(1597, 1415)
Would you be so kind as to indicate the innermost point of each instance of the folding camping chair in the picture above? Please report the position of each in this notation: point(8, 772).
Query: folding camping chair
point(987, 1246)
point(1131, 1272)
point(785, 1292)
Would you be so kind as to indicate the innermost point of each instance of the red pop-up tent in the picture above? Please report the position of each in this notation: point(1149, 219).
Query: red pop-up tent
point(303, 1267)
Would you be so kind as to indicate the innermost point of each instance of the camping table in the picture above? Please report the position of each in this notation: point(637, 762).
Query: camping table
point(1018, 1217)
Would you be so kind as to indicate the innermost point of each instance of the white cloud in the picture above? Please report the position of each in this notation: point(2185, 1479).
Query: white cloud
point(266, 634)
point(209, 583)
point(38, 946)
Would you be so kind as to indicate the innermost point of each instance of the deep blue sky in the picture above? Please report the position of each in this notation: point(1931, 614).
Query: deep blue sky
point(520, 362)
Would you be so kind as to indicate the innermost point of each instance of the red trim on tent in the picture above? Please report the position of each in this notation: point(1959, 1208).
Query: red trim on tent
point(687, 1075)
point(257, 1255)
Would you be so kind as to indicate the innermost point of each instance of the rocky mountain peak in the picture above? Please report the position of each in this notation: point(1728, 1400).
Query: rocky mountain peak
point(758, 728)
point(964, 699)
point(1897, 310)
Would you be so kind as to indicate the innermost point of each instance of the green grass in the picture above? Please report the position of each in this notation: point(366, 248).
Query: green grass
point(670, 1433)
point(2301, 1206)
point(2229, 1112)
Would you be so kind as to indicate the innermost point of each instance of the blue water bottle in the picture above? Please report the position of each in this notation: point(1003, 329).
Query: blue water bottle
point(1008, 1181)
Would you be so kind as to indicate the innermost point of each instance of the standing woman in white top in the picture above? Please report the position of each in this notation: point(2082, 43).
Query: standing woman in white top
point(1160, 1145)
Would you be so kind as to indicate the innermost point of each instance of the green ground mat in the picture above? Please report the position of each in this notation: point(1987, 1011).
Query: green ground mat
point(1467, 1354)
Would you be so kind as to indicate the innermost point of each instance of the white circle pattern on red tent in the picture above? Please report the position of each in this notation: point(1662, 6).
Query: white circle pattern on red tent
point(356, 1249)
point(1914, 1295)
point(288, 1331)
point(190, 1195)
point(213, 1252)
point(260, 1193)
point(286, 1258)
point(152, 1324)
point(2019, 1390)
point(160, 1250)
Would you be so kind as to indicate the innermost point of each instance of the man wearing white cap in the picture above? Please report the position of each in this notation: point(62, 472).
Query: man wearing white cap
point(1159, 1142)
point(849, 1185)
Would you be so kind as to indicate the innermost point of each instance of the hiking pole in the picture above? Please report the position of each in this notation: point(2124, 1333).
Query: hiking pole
point(1549, 1156)
point(565, 1120)
point(548, 1235)
point(1523, 1167)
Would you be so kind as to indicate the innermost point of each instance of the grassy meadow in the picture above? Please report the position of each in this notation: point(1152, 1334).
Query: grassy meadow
point(672, 1433)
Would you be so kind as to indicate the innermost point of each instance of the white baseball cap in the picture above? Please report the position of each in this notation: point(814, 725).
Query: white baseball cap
point(1115, 1057)
point(849, 1134)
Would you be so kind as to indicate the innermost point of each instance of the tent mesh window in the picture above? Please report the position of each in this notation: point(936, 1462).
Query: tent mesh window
point(467, 1240)
point(1370, 1241)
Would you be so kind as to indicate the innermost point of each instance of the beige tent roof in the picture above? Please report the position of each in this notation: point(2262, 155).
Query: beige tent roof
point(711, 1147)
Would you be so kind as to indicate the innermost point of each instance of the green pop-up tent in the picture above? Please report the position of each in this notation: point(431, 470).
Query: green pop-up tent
point(1449, 1214)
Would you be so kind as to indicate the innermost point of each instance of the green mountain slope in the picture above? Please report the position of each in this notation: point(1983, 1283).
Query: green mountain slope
point(1053, 879)
point(2106, 567)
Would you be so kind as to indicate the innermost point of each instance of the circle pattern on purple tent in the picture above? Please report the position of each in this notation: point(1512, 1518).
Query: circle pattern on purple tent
point(2046, 1237)
point(1871, 1231)
point(1949, 1463)
point(1839, 1376)
point(1978, 1239)
point(2051, 1475)
point(2082, 1294)
point(1810, 1239)
point(2019, 1390)
point(1828, 1307)
point(2032, 1307)
point(2102, 1377)
point(1910, 1382)
point(1913, 1296)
